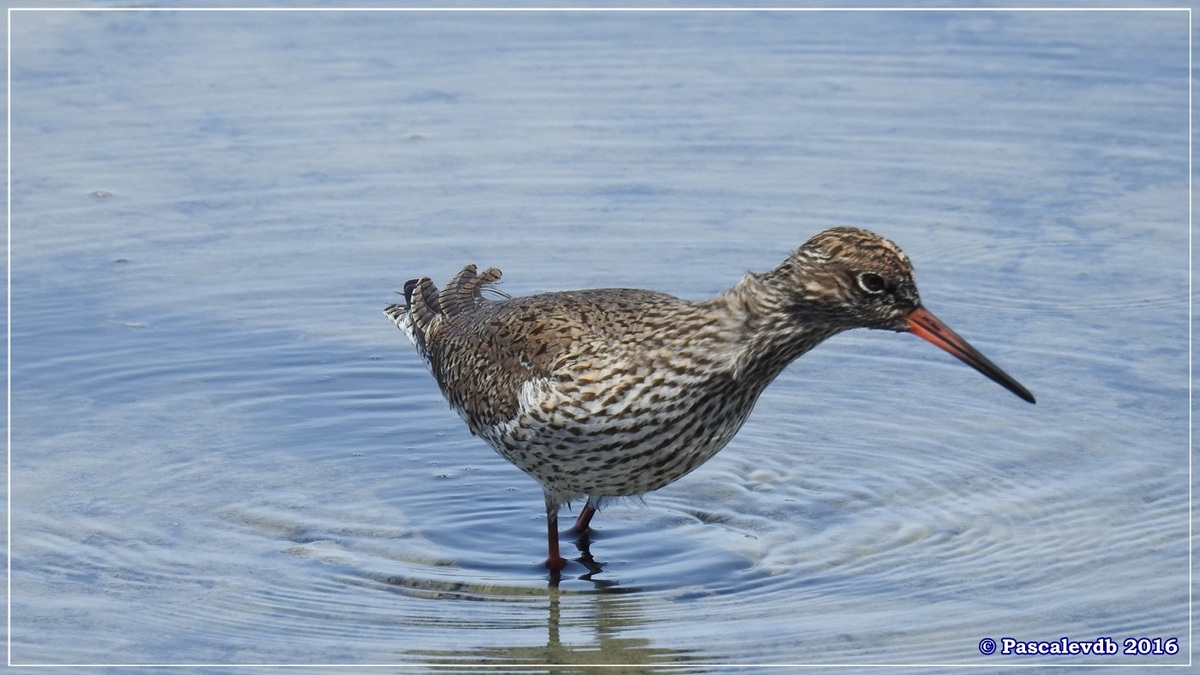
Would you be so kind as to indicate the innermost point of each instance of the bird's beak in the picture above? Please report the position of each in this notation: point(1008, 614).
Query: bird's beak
point(922, 323)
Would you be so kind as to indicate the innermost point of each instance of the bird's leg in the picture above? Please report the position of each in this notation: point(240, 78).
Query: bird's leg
point(585, 516)
point(554, 561)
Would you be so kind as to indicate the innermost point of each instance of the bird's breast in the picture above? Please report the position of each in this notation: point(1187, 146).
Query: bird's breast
point(622, 432)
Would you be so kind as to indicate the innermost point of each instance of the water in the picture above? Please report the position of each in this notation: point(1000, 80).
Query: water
point(223, 453)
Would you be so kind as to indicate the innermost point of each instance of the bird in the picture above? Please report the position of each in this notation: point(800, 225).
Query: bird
point(617, 392)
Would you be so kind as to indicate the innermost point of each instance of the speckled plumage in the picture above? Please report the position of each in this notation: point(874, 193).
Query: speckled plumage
point(615, 392)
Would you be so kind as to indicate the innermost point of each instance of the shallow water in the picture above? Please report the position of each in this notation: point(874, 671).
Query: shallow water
point(223, 453)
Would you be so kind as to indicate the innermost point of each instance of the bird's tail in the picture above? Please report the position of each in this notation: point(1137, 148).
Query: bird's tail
point(424, 303)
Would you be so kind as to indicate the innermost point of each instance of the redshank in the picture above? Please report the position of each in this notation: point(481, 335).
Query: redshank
point(617, 392)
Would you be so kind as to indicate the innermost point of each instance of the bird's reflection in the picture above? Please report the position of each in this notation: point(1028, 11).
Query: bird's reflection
point(593, 567)
point(597, 622)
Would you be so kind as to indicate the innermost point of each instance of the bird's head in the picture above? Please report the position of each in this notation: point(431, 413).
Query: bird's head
point(851, 277)
point(847, 277)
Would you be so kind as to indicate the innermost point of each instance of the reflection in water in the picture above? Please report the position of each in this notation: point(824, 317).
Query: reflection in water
point(583, 543)
point(604, 619)
point(599, 620)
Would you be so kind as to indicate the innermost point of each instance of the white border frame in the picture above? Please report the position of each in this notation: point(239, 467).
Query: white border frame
point(686, 665)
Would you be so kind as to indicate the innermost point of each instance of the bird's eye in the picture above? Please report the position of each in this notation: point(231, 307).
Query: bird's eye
point(871, 283)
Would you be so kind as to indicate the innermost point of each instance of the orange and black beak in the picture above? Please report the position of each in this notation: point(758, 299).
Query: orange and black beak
point(922, 323)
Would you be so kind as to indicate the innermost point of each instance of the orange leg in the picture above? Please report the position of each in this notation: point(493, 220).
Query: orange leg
point(585, 516)
point(554, 561)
